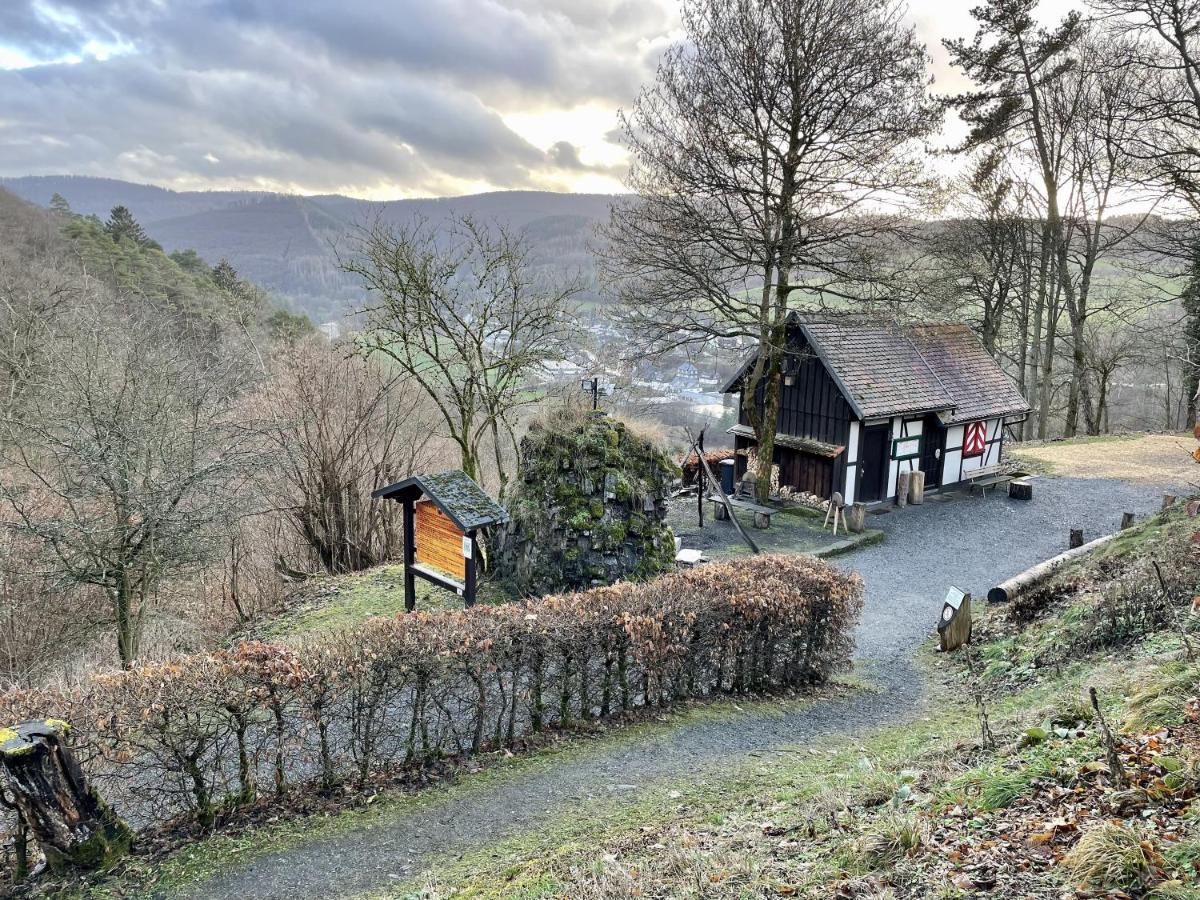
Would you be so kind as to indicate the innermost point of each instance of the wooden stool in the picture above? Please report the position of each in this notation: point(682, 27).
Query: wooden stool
point(835, 510)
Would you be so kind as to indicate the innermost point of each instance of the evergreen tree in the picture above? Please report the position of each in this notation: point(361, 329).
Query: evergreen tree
point(190, 261)
point(225, 276)
point(59, 205)
point(122, 225)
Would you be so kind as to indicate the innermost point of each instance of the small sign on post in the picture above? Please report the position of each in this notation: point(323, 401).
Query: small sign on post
point(954, 625)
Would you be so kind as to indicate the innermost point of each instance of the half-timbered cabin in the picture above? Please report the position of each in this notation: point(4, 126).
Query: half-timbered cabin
point(862, 401)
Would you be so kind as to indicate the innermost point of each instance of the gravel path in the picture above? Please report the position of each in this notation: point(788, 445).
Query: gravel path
point(967, 542)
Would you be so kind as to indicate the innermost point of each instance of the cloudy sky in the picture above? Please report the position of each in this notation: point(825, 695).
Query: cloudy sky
point(374, 98)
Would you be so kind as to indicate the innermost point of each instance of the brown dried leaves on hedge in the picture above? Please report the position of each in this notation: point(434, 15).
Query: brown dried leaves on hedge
point(207, 731)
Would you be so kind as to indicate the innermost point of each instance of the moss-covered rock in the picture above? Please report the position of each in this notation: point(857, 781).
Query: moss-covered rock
point(588, 506)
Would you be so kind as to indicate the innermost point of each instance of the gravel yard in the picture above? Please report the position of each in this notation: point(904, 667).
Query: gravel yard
point(965, 541)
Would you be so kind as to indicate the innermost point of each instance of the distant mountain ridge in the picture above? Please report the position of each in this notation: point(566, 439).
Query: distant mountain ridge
point(284, 242)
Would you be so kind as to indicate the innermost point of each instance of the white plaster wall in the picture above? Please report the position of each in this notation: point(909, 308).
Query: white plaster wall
point(914, 428)
point(954, 438)
point(953, 455)
point(851, 458)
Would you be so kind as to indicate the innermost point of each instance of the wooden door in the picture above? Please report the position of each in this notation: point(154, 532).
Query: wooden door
point(933, 449)
point(873, 471)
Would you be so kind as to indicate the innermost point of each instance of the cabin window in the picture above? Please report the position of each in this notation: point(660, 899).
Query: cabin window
point(907, 447)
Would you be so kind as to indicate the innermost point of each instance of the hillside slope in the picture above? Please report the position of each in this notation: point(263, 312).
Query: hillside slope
point(286, 243)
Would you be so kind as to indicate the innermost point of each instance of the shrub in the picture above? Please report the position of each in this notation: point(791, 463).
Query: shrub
point(893, 838)
point(206, 731)
point(1112, 856)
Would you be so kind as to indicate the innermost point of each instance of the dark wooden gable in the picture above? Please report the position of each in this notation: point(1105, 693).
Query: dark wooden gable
point(813, 406)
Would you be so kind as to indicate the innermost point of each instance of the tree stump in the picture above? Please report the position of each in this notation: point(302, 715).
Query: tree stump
point(855, 516)
point(1076, 538)
point(1168, 500)
point(762, 520)
point(916, 488)
point(71, 824)
point(721, 514)
point(902, 480)
point(1126, 520)
point(1020, 489)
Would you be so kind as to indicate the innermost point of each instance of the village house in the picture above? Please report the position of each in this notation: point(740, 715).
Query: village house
point(862, 401)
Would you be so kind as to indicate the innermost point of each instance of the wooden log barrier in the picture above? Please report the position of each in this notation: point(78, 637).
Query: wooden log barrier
point(1126, 520)
point(74, 828)
point(1035, 575)
point(1075, 539)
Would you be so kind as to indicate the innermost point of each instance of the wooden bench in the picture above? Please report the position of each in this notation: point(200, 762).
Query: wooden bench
point(762, 514)
point(989, 476)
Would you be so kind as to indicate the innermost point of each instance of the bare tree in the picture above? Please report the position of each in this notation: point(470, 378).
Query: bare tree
point(762, 157)
point(125, 453)
point(460, 312)
point(347, 426)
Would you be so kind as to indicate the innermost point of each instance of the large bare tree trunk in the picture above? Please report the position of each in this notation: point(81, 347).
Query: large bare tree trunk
point(71, 824)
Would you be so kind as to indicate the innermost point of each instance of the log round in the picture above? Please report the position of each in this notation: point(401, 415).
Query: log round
point(71, 824)
point(1035, 575)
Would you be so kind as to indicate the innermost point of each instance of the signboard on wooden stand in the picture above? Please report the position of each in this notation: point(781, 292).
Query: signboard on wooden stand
point(443, 514)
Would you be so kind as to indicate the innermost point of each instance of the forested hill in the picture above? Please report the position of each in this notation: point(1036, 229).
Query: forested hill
point(285, 242)
point(59, 249)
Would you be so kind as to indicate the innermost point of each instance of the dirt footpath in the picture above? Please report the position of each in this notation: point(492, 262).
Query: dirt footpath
point(1145, 458)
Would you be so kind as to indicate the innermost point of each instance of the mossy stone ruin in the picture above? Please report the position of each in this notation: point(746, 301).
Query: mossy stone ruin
point(588, 506)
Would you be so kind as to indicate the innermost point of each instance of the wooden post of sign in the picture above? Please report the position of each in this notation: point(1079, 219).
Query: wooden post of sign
point(410, 545)
point(470, 545)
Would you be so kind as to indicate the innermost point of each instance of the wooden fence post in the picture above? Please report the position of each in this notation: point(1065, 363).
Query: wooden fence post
point(71, 824)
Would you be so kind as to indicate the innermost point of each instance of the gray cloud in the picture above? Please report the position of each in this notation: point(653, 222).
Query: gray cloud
point(312, 94)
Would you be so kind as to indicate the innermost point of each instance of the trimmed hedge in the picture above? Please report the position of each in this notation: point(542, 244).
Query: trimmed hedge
point(187, 737)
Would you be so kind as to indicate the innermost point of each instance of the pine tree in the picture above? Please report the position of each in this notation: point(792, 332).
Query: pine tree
point(122, 225)
point(59, 205)
point(225, 276)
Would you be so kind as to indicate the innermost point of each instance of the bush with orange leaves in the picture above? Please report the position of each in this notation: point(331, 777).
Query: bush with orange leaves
point(194, 736)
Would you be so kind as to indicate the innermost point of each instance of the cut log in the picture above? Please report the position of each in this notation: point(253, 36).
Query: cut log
point(855, 516)
point(1035, 575)
point(902, 480)
point(762, 520)
point(916, 488)
point(722, 513)
point(1076, 538)
point(1126, 520)
point(1020, 489)
point(74, 828)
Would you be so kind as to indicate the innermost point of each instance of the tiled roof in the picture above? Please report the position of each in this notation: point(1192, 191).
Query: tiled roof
point(878, 367)
point(886, 369)
point(979, 387)
point(454, 493)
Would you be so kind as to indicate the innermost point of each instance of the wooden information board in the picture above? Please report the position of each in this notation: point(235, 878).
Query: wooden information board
point(439, 542)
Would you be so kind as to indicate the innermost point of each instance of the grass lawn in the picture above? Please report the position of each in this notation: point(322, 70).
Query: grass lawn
point(331, 603)
point(1153, 458)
